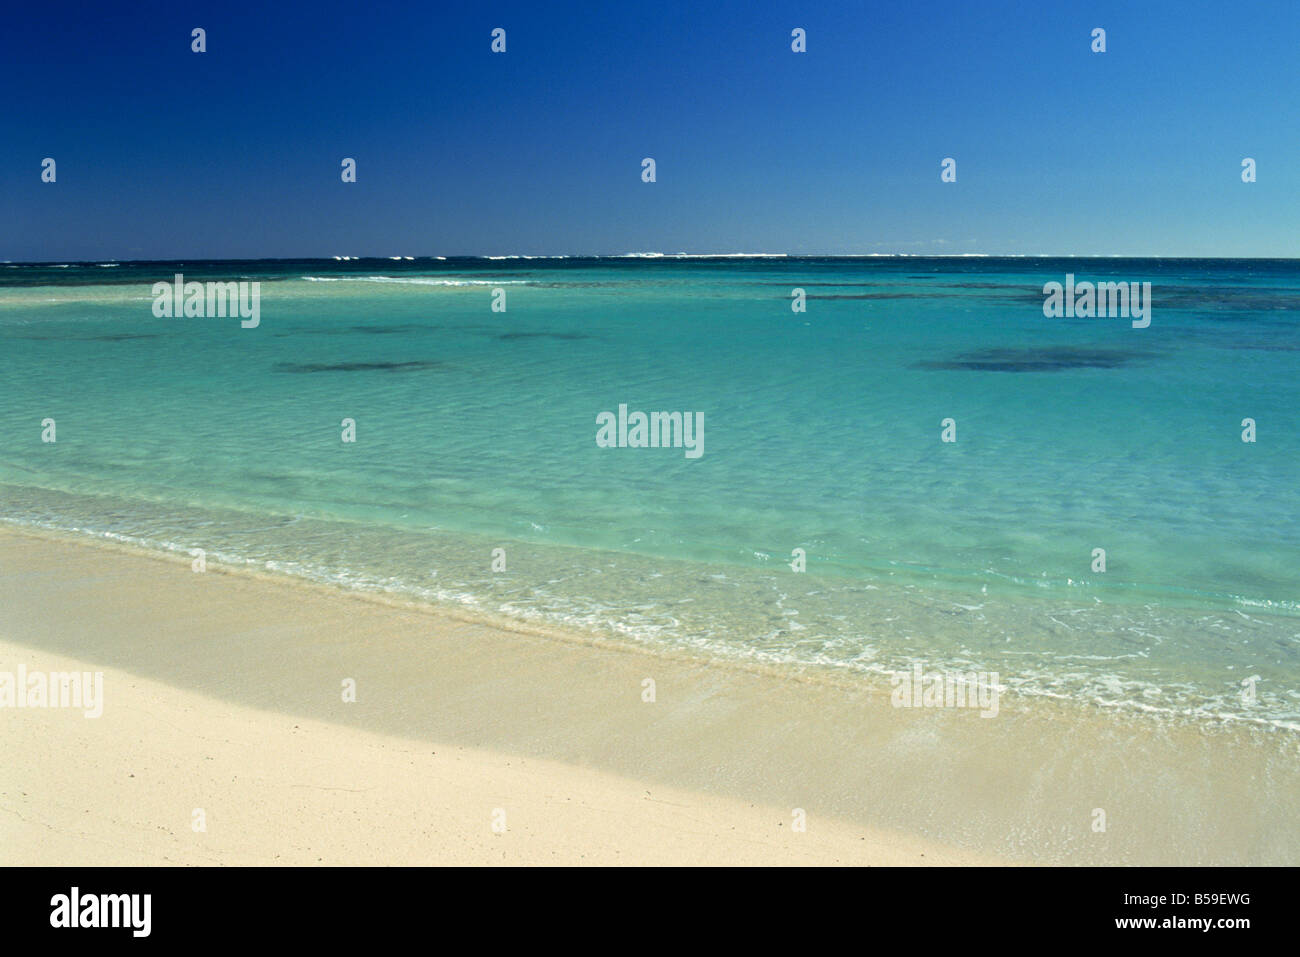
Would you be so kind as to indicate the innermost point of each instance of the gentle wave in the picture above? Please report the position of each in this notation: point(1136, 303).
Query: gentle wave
point(601, 603)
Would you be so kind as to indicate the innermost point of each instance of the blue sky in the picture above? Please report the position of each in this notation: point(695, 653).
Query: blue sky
point(165, 153)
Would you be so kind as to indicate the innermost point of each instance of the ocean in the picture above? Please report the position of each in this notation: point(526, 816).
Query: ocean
point(476, 479)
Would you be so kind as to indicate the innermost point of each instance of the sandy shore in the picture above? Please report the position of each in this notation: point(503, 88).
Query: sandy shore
point(223, 693)
point(174, 777)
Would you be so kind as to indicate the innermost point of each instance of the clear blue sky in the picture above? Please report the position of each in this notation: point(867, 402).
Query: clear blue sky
point(164, 153)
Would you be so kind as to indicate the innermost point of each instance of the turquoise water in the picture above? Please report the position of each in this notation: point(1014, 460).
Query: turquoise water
point(476, 430)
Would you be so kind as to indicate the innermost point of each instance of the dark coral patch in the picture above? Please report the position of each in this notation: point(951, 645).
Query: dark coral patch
point(413, 366)
point(1049, 359)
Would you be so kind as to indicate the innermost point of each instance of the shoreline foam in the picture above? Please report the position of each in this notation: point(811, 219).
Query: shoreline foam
point(484, 605)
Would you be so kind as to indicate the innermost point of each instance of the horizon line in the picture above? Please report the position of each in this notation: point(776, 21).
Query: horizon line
point(639, 256)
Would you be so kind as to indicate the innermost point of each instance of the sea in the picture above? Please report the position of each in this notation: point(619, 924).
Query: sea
point(898, 460)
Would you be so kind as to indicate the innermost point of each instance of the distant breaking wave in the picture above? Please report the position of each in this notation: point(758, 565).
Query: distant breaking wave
point(696, 256)
point(418, 281)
